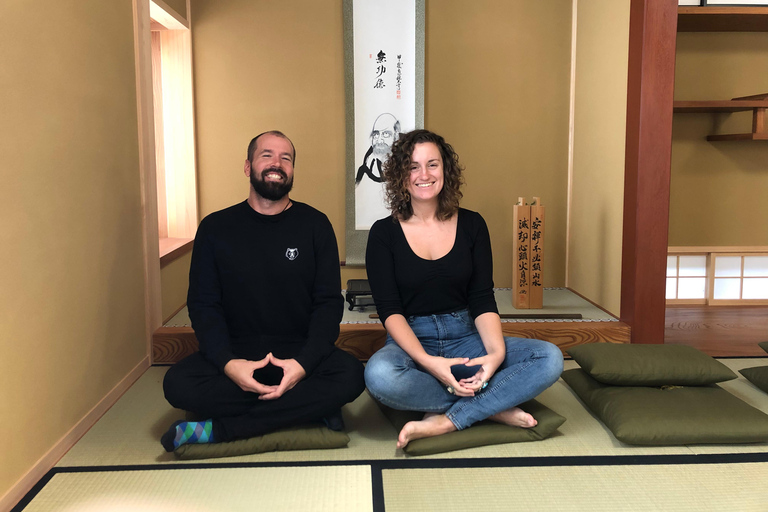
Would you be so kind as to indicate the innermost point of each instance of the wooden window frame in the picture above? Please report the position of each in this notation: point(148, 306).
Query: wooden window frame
point(171, 46)
point(712, 253)
point(707, 287)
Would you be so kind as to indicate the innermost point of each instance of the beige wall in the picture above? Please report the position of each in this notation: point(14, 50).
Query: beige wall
point(718, 189)
point(496, 87)
point(497, 82)
point(180, 6)
point(174, 282)
point(72, 307)
point(270, 65)
point(594, 268)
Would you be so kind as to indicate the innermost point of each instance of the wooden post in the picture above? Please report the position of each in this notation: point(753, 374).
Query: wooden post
point(758, 121)
point(758, 113)
point(536, 255)
point(650, 87)
point(520, 250)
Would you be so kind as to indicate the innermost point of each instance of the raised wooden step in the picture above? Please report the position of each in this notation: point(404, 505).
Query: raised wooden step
point(170, 344)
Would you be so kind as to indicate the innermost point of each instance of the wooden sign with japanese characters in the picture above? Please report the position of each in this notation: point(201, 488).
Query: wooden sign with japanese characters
point(521, 286)
point(528, 252)
point(537, 255)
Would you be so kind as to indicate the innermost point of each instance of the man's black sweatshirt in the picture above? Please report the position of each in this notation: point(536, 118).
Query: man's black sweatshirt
point(265, 283)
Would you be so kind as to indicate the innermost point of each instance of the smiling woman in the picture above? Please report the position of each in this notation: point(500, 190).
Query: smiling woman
point(399, 170)
point(426, 172)
point(431, 273)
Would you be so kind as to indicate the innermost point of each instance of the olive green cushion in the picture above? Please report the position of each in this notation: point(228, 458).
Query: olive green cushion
point(757, 376)
point(649, 365)
point(480, 434)
point(763, 345)
point(670, 416)
point(309, 437)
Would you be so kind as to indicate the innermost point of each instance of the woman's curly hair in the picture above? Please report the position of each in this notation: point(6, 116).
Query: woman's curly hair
point(397, 175)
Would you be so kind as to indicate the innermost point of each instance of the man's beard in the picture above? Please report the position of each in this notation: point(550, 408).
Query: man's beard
point(381, 151)
point(271, 190)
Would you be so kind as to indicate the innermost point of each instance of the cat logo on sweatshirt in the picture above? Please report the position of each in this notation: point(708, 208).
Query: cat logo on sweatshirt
point(292, 254)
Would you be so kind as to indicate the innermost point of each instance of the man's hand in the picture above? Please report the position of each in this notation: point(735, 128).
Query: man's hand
point(293, 372)
point(240, 371)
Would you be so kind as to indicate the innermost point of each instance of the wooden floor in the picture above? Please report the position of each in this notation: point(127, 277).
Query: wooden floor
point(720, 331)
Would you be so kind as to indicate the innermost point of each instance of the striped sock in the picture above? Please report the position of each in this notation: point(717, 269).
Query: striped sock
point(183, 432)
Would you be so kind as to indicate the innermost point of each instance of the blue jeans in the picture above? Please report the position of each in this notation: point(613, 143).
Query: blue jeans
point(393, 378)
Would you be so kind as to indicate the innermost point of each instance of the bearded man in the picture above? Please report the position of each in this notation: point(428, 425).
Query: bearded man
point(265, 304)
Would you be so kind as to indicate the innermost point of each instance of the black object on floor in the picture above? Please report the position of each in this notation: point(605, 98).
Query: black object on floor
point(359, 294)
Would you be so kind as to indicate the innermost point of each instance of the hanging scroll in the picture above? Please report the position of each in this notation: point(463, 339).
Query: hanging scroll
point(528, 251)
point(384, 57)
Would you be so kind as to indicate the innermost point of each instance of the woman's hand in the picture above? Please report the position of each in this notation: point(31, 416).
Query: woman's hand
point(440, 368)
point(489, 327)
point(489, 364)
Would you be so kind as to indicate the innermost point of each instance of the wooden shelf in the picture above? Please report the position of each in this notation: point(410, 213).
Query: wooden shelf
point(739, 136)
point(701, 107)
point(174, 248)
point(758, 104)
point(722, 19)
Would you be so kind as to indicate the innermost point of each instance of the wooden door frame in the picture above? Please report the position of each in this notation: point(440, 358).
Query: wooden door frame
point(147, 171)
point(650, 87)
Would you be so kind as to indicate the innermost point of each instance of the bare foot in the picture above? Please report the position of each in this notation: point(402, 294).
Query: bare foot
point(432, 425)
point(515, 417)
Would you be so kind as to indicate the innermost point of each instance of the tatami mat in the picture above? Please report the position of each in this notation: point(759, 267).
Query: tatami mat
point(743, 389)
point(322, 488)
point(119, 465)
point(129, 432)
point(556, 301)
point(668, 488)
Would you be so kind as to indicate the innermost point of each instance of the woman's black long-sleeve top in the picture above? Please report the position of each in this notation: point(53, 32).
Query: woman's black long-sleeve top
point(404, 283)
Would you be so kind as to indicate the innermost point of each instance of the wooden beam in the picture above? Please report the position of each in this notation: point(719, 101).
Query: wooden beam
point(147, 170)
point(723, 19)
point(739, 136)
point(699, 107)
point(651, 75)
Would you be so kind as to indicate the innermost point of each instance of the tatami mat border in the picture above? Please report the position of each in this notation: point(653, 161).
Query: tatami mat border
point(377, 466)
point(743, 357)
point(565, 356)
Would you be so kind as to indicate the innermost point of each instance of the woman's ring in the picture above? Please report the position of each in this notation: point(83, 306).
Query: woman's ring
point(450, 390)
point(485, 384)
